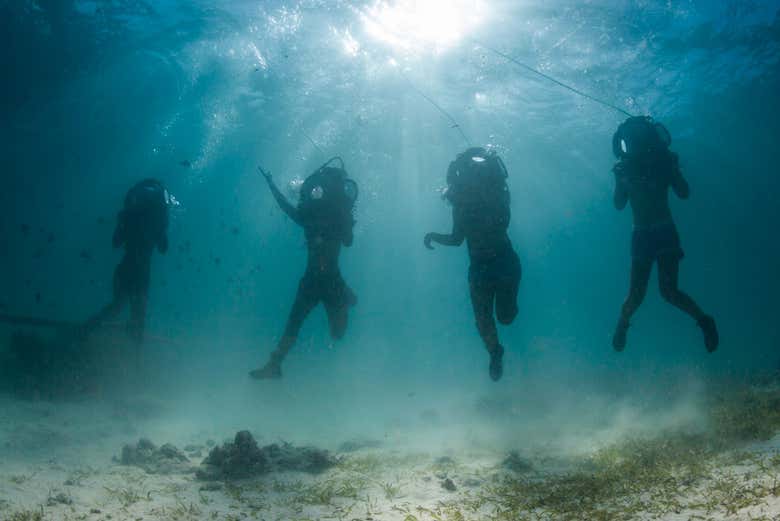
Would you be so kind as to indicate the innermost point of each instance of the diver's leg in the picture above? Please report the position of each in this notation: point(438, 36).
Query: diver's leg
point(305, 300)
point(135, 326)
point(112, 309)
point(108, 312)
point(482, 297)
point(337, 319)
point(506, 292)
point(337, 301)
point(640, 275)
point(668, 277)
point(138, 289)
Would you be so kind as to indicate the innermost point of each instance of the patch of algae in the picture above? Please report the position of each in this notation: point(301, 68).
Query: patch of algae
point(26, 515)
point(746, 414)
point(697, 474)
point(617, 482)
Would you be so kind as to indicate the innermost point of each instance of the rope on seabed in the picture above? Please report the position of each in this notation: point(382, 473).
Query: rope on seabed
point(446, 114)
point(550, 78)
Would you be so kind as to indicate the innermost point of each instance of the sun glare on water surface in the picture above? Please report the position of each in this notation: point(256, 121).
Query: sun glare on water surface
point(416, 26)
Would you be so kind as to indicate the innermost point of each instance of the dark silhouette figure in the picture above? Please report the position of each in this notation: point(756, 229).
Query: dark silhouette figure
point(645, 171)
point(142, 226)
point(325, 213)
point(480, 214)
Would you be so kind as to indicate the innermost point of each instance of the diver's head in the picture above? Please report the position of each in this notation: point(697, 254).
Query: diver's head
point(150, 194)
point(640, 136)
point(147, 193)
point(473, 171)
point(328, 187)
point(475, 153)
point(324, 185)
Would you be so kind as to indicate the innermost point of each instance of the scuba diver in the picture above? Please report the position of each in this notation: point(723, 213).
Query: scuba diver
point(327, 198)
point(645, 171)
point(480, 201)
point(142, 226)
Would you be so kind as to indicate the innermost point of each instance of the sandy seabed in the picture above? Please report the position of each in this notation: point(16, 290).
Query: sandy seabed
point(59, 462)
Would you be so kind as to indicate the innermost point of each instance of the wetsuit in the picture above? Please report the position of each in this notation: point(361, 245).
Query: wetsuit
point(481, 213)
point(495, 271)
point(644, 182)
point(326, 228)
point(140, 230)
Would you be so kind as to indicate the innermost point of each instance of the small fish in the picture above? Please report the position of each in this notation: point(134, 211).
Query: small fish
point(101, 220)
point(185, 163)
point(235, 230)
point(50, 238)
point(86, 255)
point(25, 228)
point(37, 297)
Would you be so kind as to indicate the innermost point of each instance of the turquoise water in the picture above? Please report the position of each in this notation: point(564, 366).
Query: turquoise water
point(97, 95)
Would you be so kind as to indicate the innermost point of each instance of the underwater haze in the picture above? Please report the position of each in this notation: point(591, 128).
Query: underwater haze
point(100, 94)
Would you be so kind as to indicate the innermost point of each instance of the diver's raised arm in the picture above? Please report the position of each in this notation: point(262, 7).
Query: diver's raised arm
point(620, 198)
point(453, 239)
point(678, 182)
point(281, 200)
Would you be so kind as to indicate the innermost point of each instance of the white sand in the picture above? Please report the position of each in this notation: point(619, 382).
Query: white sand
point(66, 450)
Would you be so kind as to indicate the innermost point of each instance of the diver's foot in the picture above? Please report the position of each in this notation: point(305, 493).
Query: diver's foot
point(619, 338)
point(496, 363)
point(710, 330)
point(271, 371)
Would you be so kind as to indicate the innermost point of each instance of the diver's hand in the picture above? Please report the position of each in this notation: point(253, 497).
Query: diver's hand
point(427, 240)
point(265, 174)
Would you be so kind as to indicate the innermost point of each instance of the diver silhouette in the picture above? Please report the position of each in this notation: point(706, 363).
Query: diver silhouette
point(480, 200)
point(324, 211)
point(645, 171)
point(141, 226)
